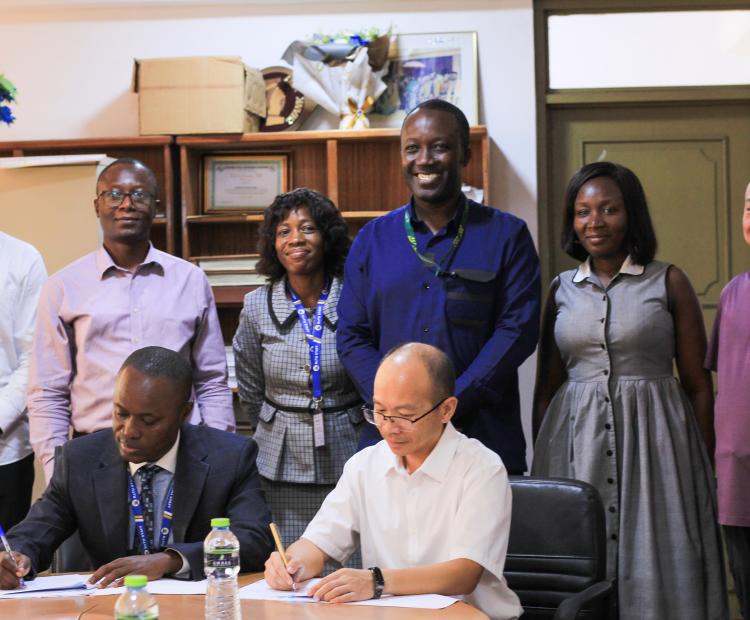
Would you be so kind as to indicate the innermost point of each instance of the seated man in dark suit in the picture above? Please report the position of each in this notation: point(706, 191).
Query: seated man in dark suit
point(119, 488)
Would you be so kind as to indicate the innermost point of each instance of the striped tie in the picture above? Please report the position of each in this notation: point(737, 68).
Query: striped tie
point(147, 473)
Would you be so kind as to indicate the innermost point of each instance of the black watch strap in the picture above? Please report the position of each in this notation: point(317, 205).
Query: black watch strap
point(377, 581)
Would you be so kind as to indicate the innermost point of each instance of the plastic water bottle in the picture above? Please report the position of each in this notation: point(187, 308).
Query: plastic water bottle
point(136, 603)
point(221, 562)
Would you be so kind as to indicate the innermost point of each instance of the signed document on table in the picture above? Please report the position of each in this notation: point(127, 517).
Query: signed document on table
point(260, 590)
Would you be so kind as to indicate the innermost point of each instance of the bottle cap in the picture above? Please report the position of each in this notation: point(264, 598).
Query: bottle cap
point(220, 522)
point(136, 581)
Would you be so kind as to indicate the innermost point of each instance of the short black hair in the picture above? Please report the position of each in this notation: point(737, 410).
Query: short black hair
point(640, 238)
point(444, 106)
point(327, 218)
point(156, 361)
point(438, 365)
point(136, 163)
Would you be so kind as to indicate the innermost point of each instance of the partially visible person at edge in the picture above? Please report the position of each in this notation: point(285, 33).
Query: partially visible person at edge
point(290, 380)
point(430, 507)
point(143, 492)
point(102, 307)
point(22, 275)
point(446, 271)
point(608, 411)
point(729, 355)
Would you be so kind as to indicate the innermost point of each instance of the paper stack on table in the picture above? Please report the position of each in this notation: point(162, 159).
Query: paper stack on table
point(260, 590)
point(52, 586)
point(77, 585)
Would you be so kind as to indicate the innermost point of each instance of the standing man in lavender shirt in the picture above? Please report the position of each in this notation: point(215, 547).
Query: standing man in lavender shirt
point(99, 309)
point(729, 355)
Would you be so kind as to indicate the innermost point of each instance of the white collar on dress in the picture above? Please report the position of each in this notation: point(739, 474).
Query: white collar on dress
point(628, 267)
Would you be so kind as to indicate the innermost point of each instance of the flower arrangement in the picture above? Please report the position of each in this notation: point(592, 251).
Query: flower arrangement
point(342, 73)
point(7, 94)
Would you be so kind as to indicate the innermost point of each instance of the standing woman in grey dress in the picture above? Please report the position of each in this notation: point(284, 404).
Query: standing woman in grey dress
point(608, 410)
point(308, 414)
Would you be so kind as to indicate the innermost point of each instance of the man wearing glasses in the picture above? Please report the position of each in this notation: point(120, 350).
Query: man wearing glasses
point(124, 296)
point(429, 506)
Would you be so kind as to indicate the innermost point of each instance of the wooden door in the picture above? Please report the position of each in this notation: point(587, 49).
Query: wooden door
point(694, 164)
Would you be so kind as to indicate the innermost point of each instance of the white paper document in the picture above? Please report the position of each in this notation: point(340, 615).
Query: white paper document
point(260, 590)
point(77, 585)
point(161, 586)
point(54, 585)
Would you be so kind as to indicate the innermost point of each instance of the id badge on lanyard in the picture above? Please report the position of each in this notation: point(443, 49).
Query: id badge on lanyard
point(313, 336)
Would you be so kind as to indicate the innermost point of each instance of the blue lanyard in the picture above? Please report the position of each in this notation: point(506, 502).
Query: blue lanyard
point(313, 334)
point(140, 526)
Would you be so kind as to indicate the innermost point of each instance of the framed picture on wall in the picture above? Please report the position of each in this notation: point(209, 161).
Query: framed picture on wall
point(240, 183)
point(439, 65)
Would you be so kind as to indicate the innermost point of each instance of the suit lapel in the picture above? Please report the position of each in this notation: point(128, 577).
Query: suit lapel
point(110, 490)
point(189, 479)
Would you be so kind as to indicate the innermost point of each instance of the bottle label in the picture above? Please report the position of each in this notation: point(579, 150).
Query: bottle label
point(144, 616)
point(222, 558)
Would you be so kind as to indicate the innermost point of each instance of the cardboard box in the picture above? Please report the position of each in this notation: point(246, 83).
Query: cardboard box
point(201, 94)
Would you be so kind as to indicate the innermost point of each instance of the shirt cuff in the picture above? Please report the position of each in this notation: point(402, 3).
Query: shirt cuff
point(184, 572)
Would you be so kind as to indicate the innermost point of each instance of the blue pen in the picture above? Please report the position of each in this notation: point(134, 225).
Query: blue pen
point(8, 550)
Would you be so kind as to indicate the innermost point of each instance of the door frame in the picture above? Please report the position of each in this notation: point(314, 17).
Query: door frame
point(548, 99)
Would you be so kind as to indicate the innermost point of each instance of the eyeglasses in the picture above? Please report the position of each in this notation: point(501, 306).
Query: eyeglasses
point(406, 424)
point(115, 197)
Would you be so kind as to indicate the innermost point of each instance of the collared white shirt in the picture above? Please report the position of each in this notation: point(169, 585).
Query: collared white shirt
point(628, 267)
point(22, 275)
point(456, 505)
point(161, 483)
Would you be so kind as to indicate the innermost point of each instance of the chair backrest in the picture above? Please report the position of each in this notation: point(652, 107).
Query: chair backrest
point(557, 543)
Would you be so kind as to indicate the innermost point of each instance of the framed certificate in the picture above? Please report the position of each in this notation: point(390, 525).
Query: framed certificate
point(240, 183)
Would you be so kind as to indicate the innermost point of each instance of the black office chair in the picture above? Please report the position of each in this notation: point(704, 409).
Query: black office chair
point(556, 553)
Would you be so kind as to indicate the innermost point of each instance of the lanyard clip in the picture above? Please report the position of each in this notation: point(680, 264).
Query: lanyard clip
point(317, 405)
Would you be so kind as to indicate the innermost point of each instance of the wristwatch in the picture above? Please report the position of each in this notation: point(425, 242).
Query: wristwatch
point(378, 582)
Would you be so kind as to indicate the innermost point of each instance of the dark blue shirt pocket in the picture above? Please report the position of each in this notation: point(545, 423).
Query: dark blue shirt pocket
point(470, 304)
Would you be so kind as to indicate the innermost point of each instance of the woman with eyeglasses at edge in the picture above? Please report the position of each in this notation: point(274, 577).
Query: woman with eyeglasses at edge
point(290, 380)
point(608, 410)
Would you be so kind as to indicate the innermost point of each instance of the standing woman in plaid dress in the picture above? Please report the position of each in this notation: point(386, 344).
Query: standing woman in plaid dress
point(291, 382)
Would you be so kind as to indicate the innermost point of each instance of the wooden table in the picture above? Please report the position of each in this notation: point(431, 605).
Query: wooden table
point(191, 607)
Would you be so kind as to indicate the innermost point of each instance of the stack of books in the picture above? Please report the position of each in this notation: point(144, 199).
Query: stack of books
point(236, 270)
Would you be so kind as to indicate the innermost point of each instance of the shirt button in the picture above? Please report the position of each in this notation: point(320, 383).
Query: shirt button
point(604, 298)
point(612, 509)
point(427, 286)
point(608, 426)
point(613, 536)
point(426, 329)
point(610, 480)
point(609, 452)
point(136, 340)
point(606, 372)
point(606, 399)
point(604, 347)
point(601, 320)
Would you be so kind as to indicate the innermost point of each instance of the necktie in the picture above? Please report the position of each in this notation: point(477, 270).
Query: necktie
point(147, 473)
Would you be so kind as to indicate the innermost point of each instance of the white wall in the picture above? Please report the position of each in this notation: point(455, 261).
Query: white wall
point(73, 69)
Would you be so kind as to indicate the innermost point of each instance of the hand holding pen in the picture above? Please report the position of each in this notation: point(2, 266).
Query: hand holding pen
point(13, 566)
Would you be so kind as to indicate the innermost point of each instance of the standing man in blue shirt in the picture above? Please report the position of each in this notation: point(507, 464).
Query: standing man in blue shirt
point(449, 272)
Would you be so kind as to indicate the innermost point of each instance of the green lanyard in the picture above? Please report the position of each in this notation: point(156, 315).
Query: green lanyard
point(437, 267)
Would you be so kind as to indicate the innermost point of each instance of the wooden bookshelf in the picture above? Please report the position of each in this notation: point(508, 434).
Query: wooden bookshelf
point(360, 171)
point(154, 151)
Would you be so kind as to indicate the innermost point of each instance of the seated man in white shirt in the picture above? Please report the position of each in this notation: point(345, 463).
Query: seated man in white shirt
point(430, 507)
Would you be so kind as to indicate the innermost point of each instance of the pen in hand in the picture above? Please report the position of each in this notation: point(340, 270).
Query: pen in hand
point(280, 549)
point(9, 551)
